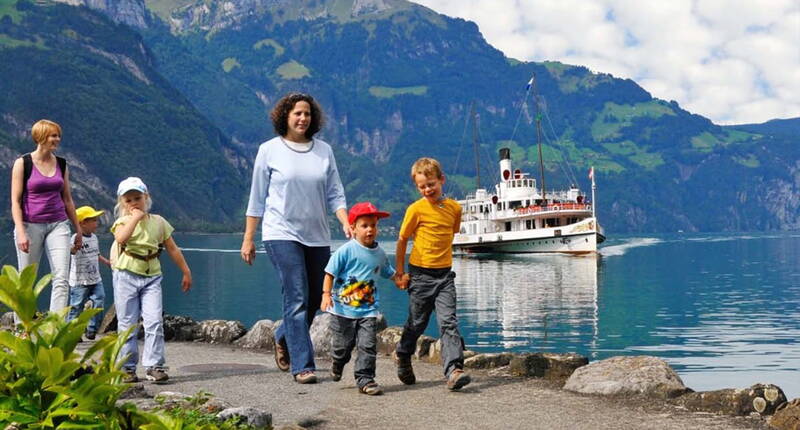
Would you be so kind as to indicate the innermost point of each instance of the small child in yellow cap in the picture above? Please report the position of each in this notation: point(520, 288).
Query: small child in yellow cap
point(84, 271)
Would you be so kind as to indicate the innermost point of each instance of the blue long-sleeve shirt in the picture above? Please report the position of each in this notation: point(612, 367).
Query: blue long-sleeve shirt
point(293, 191)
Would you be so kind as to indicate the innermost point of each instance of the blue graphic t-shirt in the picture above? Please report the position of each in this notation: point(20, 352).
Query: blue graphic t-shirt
point(355, 270)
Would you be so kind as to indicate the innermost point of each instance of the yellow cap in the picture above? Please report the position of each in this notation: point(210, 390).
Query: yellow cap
point(84, 212)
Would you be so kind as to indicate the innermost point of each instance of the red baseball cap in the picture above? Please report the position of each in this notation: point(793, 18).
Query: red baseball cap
point(364, 208)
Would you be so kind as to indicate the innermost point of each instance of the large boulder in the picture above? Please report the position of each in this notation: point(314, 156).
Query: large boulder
point(7, 321)
point(220, 331)
point(787, 416)
point(260, 336)
point(321, 334)
point(763, 399)
point(109, 322)
point(251, 416)
point(180, 328)
point(488, 361)
point(388, 339)
point(556, 367)
point(649, 376)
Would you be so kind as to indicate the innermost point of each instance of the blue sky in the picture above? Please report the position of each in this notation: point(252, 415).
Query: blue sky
point(733, 61)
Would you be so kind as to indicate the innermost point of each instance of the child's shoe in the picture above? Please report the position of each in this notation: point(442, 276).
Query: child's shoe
point(90, 335)
point(405, 372)
point(457, 380)
point(130, 376)
point(157, 374)
point(371, 389)
point(336, 372)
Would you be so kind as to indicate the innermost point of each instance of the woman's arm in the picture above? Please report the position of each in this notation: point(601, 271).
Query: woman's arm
point(248, 251)
point(69, 206)
point(17, 179)
point(177, 256)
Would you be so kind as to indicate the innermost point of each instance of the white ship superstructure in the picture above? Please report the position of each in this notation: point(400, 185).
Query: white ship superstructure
point(518, 217)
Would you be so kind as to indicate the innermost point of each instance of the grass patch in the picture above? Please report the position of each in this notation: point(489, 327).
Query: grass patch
point(750, 161)
point(229, 64)
point(293, 70)
point(637, 155)
point(11, 43)
point(736, 136)
point(649, 161)
point(9, 8)
point(704, 142)
point(615, 117)
point(571, 83)
point(163, 8)
point(279, 50)
point(388, 92)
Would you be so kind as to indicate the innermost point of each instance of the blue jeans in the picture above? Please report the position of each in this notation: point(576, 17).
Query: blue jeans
point(135, 296)
point(301, 270)
point(78, 295)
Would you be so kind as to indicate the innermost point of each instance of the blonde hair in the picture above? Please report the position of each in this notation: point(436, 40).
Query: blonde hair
point(42, 129)
point(120, 210)
point(428, 167)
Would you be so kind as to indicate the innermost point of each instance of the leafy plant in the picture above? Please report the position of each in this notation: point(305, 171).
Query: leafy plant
point(46, 384)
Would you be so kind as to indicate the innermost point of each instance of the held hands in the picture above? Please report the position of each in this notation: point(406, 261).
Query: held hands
point(401, 280)
point(248, 251)
point(78, 243)
point(327, 302)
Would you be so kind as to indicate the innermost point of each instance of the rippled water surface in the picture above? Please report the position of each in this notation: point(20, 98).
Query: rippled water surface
point(721, 309)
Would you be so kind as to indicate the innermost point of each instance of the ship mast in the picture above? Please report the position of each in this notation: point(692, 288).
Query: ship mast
point(475, 146)
point(538, 118)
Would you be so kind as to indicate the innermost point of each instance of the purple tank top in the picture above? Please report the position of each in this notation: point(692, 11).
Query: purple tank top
point(43, 202)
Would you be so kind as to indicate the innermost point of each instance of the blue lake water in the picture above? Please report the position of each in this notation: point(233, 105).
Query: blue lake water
point(721, 309)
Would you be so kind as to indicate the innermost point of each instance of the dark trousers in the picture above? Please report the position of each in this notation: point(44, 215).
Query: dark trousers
point(360, 333)
point(431, 289)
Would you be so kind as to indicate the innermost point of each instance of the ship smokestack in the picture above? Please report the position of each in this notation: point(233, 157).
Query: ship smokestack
point(505, 164)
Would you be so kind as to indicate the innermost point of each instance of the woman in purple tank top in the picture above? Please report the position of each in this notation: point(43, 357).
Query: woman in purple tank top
point(42, 209)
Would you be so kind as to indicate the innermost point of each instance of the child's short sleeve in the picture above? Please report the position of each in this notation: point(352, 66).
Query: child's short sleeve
point(167, 229)
point(410, 222)
point(387, 270)
point(119, 221)
point(336, 264)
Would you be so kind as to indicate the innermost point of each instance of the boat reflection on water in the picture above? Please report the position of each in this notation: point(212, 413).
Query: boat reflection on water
point(528, 303)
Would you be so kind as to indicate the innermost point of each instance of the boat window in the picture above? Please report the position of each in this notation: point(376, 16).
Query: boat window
point(508, 226)
point(528, 224)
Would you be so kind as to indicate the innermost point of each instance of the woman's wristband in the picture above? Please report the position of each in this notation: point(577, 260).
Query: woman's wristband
point(326, 292)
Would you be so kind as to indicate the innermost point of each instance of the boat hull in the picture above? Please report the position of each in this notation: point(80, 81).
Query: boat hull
point(510, 243)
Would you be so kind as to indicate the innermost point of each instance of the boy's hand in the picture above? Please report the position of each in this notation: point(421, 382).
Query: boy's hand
point(327, 302)
point(186, 282)
point(402, 281)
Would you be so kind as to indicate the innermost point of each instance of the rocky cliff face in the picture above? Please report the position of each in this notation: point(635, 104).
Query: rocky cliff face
point(130, 12)
point(217, 15)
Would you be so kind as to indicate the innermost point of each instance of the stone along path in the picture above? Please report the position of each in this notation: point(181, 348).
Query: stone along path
point(249, 378)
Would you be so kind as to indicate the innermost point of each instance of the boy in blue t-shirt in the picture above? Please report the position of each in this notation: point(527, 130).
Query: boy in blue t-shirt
point(349, 292)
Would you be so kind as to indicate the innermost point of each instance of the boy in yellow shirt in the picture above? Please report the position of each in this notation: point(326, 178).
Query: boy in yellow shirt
point(432, 221)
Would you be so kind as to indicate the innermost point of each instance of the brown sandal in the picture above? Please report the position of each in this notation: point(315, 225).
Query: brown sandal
point(371, 389)
point(306, 377)
point(282, 359)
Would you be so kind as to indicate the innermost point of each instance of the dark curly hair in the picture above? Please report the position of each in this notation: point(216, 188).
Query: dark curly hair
point(280, 114)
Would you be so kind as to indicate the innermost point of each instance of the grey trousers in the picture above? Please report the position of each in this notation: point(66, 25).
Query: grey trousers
point(52, 239)
point(431, 289)
point(360, 333)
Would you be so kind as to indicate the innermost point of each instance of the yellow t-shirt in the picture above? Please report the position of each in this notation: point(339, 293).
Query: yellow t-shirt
point(432, 226)
point(151, 231)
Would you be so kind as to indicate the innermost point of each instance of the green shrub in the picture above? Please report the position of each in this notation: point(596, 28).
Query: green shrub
point(46, 384)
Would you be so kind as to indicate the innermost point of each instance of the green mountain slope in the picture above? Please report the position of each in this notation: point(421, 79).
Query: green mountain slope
point(397, 81)
point(120, 117)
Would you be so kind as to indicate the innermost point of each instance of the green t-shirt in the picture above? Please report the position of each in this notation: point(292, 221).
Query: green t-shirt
point(151, 231)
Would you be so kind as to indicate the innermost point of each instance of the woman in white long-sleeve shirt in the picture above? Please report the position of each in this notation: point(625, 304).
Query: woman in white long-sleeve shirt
point(295, 185)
